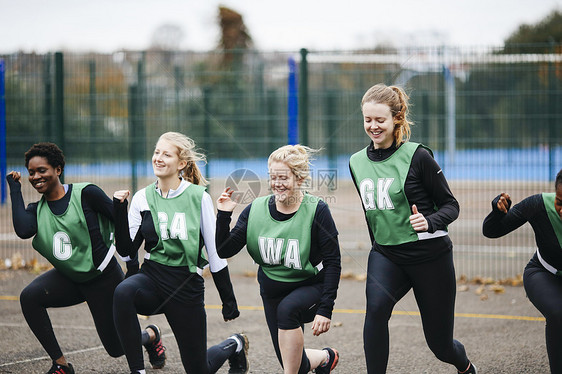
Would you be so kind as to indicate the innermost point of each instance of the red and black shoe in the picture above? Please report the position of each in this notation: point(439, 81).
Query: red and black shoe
point(61, 369)
point(471, 369)
point(155, 349)
point(329, 365)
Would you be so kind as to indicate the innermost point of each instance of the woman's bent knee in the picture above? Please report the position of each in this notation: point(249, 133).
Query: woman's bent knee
point(28, 297)
point(123, 294)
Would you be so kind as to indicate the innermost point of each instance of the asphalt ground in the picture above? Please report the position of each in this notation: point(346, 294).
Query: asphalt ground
point(500, 329)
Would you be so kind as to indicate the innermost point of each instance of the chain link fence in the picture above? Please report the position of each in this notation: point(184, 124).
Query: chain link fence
point(491, 115)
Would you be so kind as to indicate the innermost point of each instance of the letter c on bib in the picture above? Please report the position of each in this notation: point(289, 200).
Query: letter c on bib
point(62, 248)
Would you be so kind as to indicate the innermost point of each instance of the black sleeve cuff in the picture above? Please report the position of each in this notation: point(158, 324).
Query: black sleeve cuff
point(226, 293)
point(223, 214)
point(495, 205)
point(430, 228)
point(14, 186)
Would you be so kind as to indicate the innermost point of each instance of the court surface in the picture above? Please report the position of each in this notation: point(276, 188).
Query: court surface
point(502, 332)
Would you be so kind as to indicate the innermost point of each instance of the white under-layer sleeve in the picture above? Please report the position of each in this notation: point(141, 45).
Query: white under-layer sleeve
point(138, 204)
point(208, 227)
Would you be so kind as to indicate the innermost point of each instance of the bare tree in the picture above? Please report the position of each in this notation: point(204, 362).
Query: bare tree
point(235, 37)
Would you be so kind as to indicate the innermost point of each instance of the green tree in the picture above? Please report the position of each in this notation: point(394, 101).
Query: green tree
point(512, 103)
point(541, 36)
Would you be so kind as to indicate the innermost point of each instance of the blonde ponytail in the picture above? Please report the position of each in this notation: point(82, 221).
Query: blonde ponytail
point(187, 152)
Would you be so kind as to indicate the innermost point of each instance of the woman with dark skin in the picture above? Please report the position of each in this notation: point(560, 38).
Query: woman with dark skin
point(542, 277)
point(72, 226)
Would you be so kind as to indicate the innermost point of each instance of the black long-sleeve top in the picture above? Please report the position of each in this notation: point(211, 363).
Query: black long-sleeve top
point(531, 210)
point(94, 202)
point(427, 188)
point(324, 246)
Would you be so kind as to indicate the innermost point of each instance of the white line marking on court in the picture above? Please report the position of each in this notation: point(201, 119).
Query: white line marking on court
point(66, 354)
point(2, 324)
point(48, 358)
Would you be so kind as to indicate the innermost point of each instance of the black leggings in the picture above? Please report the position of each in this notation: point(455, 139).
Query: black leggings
point(139, 294)
point(544, 289)
point(54, 290)
point(288, 307)
point(434, 288)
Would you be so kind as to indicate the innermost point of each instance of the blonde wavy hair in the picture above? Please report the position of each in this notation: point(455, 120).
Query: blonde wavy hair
point(187, 152)
point(297, 157)
point(397, 100)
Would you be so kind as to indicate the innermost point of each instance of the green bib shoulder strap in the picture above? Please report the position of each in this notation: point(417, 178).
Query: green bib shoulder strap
point(553, 216)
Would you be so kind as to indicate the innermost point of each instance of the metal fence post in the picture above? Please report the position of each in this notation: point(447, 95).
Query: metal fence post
point(552, 115)
point(331, 127)
point(450, 107)
point(206, 126)
point(292, 104)
point(133, 135)
point(93, 112)
point(59, 103)
point(178, 85)
point(3, 155)
point(141, 101)
point(48, 90)
point(271, 115)
point(303, 96)
point(425, 118)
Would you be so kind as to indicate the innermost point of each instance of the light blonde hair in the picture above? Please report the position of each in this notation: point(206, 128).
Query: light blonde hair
point(397, 99)
point(187, 152)
point(297, 157)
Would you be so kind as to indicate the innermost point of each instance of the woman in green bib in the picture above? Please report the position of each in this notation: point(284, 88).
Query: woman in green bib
point(291, 235)
point(175, 219)
point(72, 227)
point(542, 277)
point(407, 204)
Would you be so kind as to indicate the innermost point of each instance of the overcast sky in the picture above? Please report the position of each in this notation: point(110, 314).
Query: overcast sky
point(284, 25)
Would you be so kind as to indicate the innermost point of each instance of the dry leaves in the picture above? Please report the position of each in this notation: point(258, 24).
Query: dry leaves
point(462, 288)
point(515, 282)
point(487, 285)
point(347, 275)
point(351, 275)
point(16, 262)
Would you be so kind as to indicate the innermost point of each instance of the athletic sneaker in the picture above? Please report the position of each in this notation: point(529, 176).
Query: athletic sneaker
point(471, 370)
point(331, 364)
point(61, 369)
point(238, 363)
point(156, 351)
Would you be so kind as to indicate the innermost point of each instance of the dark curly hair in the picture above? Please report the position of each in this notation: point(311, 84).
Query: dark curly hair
point(558, 180)
point(50, 151)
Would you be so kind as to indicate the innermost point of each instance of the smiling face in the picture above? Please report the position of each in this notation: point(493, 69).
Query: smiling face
point(43, 176)
point(378, 124)
point(165, 160)
point(284, 184)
